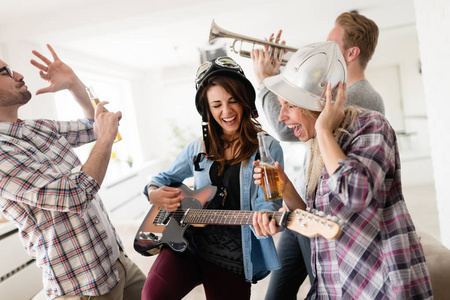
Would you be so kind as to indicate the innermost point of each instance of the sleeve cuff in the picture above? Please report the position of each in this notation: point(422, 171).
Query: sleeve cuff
point(88, 184)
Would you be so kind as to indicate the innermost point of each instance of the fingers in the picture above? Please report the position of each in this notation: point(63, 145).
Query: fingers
point(259, 54)
point(257, 175)
point(263, 224)
point(118, 115)
point(329, 94)
point(283, 209)
point(100, 108)
point(171, 197)
point(44, 90)
point(257, 223)
point(277, 39)
point(39, 65)
point(55, 57)
point(254, 54)
point(166, 197)
point(342, 93)
point(42, 57)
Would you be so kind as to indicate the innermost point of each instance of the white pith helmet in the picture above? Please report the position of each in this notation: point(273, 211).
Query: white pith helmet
point(304, 80)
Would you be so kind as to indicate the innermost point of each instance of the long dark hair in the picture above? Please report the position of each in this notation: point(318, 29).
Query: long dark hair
point(248, 129)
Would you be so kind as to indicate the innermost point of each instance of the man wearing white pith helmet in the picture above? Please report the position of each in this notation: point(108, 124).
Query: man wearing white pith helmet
point(357, 38)
point(354, 177)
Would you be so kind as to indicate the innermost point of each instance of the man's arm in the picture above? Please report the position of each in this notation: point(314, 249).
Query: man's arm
point(264, 65)
point(61, 76)
point(105, 127)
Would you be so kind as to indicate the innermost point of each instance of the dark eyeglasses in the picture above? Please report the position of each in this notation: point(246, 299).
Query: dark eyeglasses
point(9, 70)
point(212, 65)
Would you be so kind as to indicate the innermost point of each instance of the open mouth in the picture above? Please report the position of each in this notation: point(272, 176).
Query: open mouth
point(229, 120)
point(298, 128)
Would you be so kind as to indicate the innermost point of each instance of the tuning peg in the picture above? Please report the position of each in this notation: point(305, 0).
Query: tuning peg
point(335, 219)
point(341, 222)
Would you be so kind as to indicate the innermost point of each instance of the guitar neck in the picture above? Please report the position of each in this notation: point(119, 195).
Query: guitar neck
point(226, 217)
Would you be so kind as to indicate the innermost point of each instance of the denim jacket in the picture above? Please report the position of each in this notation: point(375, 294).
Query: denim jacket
point(259, 253)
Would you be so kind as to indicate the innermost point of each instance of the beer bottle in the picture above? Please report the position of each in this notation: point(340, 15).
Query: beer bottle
point(95, 101)
point(270, 177)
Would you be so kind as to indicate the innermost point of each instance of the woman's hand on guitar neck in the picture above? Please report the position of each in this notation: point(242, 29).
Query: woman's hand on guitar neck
point(165, 197)
point(265, 226)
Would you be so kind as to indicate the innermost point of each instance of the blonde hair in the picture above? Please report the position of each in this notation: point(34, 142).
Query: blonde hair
point(361, 32)
point(315, 162)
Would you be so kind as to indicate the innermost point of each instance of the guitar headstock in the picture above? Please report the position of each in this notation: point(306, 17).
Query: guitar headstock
point(312, 224)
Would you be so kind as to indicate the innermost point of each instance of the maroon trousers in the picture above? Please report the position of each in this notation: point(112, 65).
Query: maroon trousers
point(174, 275)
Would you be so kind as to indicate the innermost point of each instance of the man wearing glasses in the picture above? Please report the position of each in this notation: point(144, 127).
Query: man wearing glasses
point(52, 198)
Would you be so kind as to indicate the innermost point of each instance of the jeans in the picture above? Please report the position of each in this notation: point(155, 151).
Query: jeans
point(294, 251)
point(129, 287)
point(174, 275)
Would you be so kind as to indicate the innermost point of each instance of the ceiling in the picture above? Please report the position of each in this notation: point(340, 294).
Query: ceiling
point(144, 34)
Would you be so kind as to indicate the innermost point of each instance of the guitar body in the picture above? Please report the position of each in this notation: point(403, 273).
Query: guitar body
point(162, 228)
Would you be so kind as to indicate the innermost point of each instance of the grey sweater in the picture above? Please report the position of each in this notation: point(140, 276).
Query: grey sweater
point(360, 94)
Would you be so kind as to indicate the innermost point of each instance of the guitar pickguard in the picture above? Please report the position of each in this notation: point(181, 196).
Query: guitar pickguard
point(174, 233)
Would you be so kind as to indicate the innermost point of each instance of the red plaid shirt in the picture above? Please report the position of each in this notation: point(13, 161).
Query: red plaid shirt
point(61, 219)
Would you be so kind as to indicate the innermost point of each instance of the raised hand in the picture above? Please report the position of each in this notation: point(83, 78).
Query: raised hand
point(106, 123)
point(265, 62)
point(329, 119)
point(59, 75)
point(333, 111)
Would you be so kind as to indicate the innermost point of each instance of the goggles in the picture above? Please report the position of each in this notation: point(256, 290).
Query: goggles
point(223, 62)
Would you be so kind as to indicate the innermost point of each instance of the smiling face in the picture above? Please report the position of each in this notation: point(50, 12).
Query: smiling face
point(225, 110)
point(13, 91)
point(299, 119)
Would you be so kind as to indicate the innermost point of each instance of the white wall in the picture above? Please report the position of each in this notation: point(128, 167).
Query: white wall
point(395, 71)
point(433, 26)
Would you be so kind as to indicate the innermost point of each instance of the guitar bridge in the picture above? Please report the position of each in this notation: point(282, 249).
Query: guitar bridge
point(162, 218)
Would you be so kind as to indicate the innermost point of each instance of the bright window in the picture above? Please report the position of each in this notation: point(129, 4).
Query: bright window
point(126, 153)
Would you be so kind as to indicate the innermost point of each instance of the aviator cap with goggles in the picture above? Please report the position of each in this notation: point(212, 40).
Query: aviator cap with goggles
point(225, 66)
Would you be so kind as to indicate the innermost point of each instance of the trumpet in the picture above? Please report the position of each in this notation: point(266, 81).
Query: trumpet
point(275, 50)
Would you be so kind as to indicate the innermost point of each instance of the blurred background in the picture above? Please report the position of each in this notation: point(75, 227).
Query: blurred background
point(142, 56)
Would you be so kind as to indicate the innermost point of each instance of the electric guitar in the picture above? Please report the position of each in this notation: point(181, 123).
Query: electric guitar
point(161, 228)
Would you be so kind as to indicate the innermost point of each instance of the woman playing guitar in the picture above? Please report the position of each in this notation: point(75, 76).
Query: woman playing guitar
point(227, 258)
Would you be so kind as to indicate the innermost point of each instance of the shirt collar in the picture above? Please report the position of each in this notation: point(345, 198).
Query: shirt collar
point(12, 129)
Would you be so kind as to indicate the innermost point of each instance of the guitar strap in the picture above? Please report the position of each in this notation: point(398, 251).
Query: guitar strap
point(221, 194)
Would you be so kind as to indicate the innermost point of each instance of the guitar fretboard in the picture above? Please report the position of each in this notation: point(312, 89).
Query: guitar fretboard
point(225, 217)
